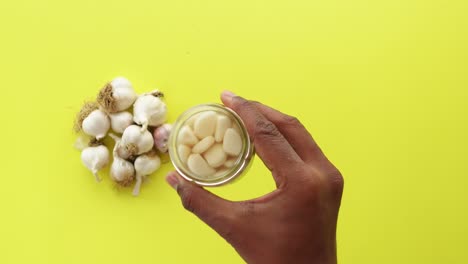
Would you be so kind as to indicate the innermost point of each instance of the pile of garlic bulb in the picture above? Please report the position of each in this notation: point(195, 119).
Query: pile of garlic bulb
point(140, 122)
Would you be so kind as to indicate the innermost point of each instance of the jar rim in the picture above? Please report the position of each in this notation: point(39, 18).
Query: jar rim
point(241, 165)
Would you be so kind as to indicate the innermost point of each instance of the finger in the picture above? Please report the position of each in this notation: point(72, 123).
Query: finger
point(294, 132)
point(211, 209)
point(271, 146)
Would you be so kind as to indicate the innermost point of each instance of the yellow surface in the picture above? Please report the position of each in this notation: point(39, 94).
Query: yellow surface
point(382, 85)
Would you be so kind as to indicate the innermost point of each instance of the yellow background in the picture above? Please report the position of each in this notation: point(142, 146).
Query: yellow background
point(382, 85)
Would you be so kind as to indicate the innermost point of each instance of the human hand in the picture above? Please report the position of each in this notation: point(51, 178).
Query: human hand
point(296, 223)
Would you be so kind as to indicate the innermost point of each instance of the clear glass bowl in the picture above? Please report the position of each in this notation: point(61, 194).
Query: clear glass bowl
point(242, 162)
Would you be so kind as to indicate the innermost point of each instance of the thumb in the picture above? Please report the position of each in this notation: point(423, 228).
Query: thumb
point(215, 211)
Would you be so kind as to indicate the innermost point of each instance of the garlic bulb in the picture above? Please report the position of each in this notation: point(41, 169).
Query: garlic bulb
point(120, 121)
point(161, 136)
point(135, 142)
point(92, 121)
point(116, 96)
point(121, 171)
point(95, 158)
point(96, 124)
point(149, 110)
point(145, 165)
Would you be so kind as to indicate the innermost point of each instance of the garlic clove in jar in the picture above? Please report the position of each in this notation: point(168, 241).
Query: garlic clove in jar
point(145, 165)
point(161, 137)
point(205, 124)
point(120, 121)
point(135, 141)
point(199, 166)
point(149, 110)
point(95, 158)
point(232, 142)
point(117, 96)
point(215, 156)
point(222, 125)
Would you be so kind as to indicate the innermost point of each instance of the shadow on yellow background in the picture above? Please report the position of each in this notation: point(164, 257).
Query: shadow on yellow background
point(382, 86)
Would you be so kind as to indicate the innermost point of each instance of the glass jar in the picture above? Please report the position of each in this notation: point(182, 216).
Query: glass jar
point(210, 156)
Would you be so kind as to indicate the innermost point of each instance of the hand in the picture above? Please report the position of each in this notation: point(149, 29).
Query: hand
point(296, 223)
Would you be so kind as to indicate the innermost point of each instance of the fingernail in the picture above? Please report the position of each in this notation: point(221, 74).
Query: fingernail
point(227, 95)
point(172, 180)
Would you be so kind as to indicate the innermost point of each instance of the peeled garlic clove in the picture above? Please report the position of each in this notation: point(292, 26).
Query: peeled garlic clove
point(96, 124)
point(221, 172)
point(186, 136)
point(230, 162)
point(222, 125)
point(145, 165)
point(232, 142)
point(183, 152)
point(191, 121)
point(120, 121)
point(215, 156)
point(203, 145)
point(117, 96)
point(161, 136)
point(198, 165)
point(95, 159)
point(205, 124)
point(135, 142)
point(149, 110)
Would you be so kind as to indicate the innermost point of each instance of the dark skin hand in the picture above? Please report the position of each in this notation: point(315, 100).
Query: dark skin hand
point(296, 223)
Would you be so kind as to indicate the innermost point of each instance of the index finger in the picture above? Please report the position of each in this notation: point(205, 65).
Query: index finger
point(270, 144)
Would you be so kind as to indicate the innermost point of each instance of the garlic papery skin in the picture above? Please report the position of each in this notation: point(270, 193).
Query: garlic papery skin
point(82, 141)
point(161, 137)
point(117, 96)
point(149, 110)
point(96, 124)
point(122, 172)
point(95, 159)
point(135, 142)
point(120, 121)
point(145, 165)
